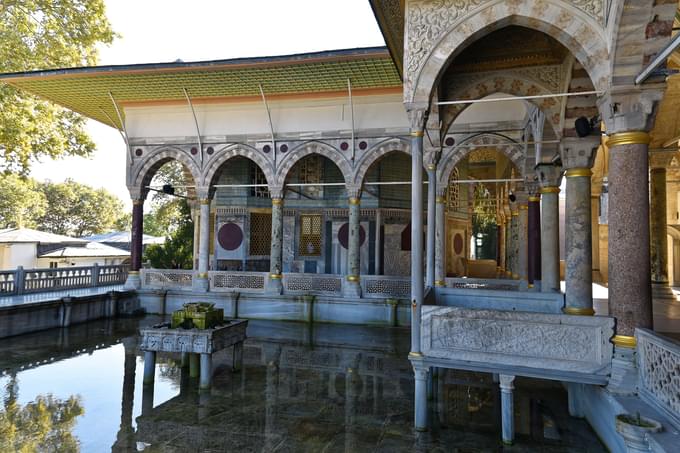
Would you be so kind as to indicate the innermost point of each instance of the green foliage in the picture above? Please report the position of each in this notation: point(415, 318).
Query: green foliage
point(75, 209)
point(170, 217)
point(21, 203)
point(45, 424)
point(45, 34)
point(68, 208)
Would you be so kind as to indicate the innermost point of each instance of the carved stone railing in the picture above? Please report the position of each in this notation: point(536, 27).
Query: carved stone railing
point(552, 346)
point(329, 284)
point(237, 281)
point(31, 281)
point(384, 286)
point(166, 278)
point(659, 368)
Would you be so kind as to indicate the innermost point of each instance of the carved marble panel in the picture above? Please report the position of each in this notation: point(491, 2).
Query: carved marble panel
point(520, 339)
point(197, 341)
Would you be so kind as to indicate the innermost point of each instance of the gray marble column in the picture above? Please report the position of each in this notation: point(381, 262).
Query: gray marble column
point(630, 299)
point(275, 284)
point(440, 242)
point(149, 367)
point(658, 222)
point(205, 380)
point(522, 237)
point(201, 279)
point(578, 155)
point(353, 283)
point(417, 119)
point(507, 409)
point(549, 177)
point(421, 378)
point(431, 197)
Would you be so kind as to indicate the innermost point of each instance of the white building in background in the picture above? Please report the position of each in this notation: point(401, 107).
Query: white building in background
point(37, 249)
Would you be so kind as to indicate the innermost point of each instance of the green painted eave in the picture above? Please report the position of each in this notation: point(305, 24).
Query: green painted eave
point(90, 90)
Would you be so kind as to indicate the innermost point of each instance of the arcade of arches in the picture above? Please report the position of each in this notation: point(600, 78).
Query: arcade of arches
point(451, 182)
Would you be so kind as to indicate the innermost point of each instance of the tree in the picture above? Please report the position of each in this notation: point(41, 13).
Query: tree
point(76, 209)
point(21, 203)
point(45, 34)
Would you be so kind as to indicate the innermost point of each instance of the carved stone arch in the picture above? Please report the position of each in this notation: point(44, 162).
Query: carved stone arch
point(511, 84)
point(510, 148)
point(306, 149)
point(156, 159)
point(377, 152)
point(237, 150)
point(434, 39)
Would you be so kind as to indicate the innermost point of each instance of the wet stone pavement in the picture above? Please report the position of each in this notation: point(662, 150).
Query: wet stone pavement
point(328, 388)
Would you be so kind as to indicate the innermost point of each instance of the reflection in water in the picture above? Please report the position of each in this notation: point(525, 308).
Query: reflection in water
point(330, 388)
point(44, 424)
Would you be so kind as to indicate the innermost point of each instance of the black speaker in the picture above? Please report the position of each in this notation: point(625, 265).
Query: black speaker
point(512, 197)
point(583, 127)
point(168, 189)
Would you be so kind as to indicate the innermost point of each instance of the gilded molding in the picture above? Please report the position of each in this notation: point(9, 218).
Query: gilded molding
point(523, 207)
point(629, 138)
point(202, 275)
point(137, 202)
point(277, 201)
point(534, 199)
point(352, 278)
point(354, 200)
point(205, 201)
point(417, 133)
point(578, 172)
point(133, 272)
point(550, 189)
point(439, 283)
point(440, 200)
point(431, 167)
point(624, 341)
point(275, 276)
point(578, 311)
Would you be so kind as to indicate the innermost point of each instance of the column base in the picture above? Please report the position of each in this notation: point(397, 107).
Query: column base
point(274, 284)
point(624, 377)
point(200, 283)
point(133, 280)
point(351, 286)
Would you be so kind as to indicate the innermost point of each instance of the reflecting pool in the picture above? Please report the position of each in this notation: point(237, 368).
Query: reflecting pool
point(321, 388)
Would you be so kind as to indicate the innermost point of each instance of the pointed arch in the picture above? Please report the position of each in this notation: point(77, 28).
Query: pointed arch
point(377, 152)
point(309, 148)
point(510, 148)
point(576, 30)
point(158, 157)
point(237, 150)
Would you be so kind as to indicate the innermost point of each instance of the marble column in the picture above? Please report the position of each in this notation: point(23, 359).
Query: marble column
point(658, 222)
point(136, 235)
point(578, 155)
point(200, 282)
point(431, 198)
point(507, 408)
point(353, 284)
point(549, 177)
point(440, 242)
point(523, 237)
point(274, 283)
point(124, 437)
point(205, 380)
point(417, 119)
point(514, 246)
point(421, 378)
point(378, 242)
point(630, 300)
point(534, 239)
point(149, 367)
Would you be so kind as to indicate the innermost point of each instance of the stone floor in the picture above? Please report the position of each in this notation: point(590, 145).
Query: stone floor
point(325, 388)
point(8, 301)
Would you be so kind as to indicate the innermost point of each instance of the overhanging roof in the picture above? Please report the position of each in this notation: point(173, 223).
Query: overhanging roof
point(390, 17)
point(86, 90)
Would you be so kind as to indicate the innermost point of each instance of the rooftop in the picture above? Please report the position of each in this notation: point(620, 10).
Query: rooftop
point(14, 235)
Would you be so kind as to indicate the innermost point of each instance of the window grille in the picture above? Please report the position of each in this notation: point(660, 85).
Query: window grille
point(454, 191)
point(310, 235)
point(257, 177)
point(260, 234)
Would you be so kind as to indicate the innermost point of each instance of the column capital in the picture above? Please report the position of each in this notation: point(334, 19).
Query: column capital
point(506, 381)
point(532, 188)
point(136, 193)
point(549, 176)
point(417, 116)
point(354, 200)
point(628, 108)
point(521, 198)
point(578, 153)
point(275, 192)
point(277, 201)
point(204, 193)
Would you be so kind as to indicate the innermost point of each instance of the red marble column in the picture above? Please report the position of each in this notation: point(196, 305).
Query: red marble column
point(136, 235)
point(534, 238)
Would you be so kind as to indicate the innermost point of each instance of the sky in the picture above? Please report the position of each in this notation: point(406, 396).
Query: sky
point(154, 31)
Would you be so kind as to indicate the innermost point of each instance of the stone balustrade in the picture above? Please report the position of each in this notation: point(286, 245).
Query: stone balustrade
point(237, 281)
point(659, 369)
point(166, 278)
point(30, 281)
